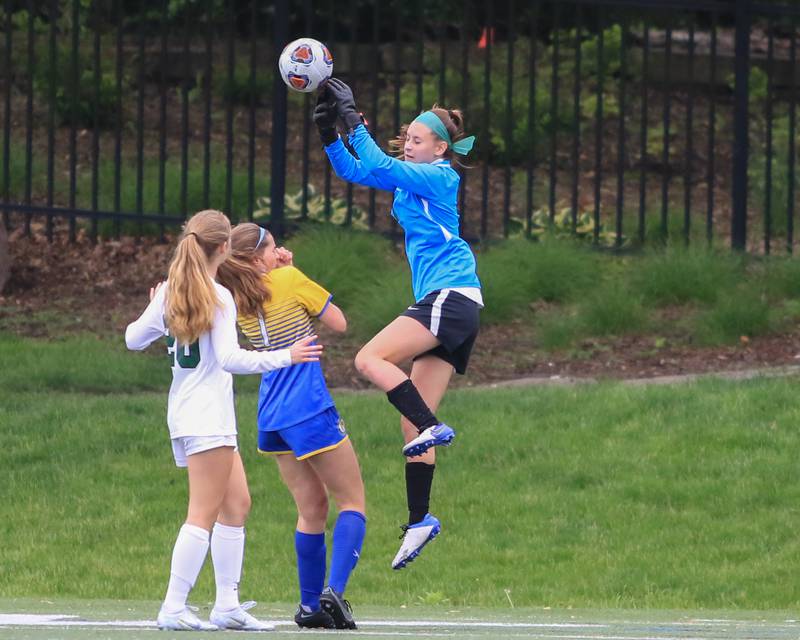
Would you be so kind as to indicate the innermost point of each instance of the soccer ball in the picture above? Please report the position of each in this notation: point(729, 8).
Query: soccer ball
point(305, 64)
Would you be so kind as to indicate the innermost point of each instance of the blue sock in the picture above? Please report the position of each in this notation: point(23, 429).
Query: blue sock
point(310, 548)
point(348, 536)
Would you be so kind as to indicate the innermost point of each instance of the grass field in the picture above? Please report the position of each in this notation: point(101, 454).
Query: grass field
point(588, 496)
point(31, 619)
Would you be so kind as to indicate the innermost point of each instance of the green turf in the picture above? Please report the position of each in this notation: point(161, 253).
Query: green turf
point(589, 496)
point(133, 620)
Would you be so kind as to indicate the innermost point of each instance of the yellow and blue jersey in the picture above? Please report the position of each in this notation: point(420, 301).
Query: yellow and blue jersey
point(294, 394)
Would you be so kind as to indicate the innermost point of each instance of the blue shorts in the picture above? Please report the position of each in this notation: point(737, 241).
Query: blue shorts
point(323, 432)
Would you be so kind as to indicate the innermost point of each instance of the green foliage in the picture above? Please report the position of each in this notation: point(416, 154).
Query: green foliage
point(20, 21)
point(675, 233)
point(68, 86)
point(780, 277)
point(376, 305)
point(241, 88)
point(88, 103)
point(518, 272)
point(758, 83)
point(526, 138)
point(612, 310)
point(612, 49)
point(571, 293)
point(368, 278)
point(561, 226)
point(678, 276)
point(335, 213)
point(178, 8)
point(558, 328)
point(746, 313)
point(77, 100)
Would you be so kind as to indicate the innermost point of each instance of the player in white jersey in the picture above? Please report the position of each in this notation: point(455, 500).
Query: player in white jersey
point(198, 318)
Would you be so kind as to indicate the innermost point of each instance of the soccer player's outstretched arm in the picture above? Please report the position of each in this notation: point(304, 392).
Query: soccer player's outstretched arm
point(426, 180)
point(348, 168)
point(344, 164)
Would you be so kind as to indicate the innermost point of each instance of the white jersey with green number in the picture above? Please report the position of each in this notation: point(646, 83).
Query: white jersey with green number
point(201, 394)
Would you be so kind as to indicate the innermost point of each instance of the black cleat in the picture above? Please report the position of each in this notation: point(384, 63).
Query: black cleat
point(338, 608)
point(319, 619)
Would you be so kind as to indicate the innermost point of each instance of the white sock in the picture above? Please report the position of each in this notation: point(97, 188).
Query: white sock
point(188, 556)
point(227, 554)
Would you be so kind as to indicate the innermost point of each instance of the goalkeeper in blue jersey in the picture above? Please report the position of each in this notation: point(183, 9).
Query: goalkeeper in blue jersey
point(438, 331)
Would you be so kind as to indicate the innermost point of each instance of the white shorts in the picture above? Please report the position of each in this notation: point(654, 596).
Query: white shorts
point(187, 446)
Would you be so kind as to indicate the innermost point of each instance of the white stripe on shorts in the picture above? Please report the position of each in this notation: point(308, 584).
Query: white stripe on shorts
point(436, 311)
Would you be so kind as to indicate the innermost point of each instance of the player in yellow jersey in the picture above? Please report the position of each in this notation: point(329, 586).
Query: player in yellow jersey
point(297, 420)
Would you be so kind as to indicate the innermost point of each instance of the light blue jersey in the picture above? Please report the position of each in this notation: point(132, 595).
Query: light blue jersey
point(425, 198)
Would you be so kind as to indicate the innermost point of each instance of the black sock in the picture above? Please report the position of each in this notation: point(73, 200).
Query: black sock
point(406, 400)
point(419, 478)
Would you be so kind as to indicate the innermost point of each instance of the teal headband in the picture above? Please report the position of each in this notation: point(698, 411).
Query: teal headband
point(435, 124)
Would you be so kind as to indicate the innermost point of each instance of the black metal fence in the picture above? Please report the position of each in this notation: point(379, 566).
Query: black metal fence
point(621, 121)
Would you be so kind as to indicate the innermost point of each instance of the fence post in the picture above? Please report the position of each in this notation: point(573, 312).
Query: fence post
point(279, 112)
point(741, 126)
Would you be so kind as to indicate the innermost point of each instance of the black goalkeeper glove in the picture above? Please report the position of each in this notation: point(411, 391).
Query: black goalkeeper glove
point(324, 117)
point(345, 103)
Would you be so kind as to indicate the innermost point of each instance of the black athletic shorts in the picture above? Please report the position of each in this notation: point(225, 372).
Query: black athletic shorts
point(454, 320)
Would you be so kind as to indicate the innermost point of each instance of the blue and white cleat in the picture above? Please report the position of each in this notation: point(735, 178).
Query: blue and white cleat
point(183, 621)
point(415, 537)
point(238, 619)
point(438, 436)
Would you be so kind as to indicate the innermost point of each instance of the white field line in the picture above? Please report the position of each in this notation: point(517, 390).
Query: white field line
point(637, 630)
point(65, 620)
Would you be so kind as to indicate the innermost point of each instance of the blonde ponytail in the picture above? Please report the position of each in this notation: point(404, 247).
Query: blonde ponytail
point(191, 296)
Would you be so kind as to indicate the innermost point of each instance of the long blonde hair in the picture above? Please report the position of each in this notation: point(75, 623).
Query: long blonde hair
point(191, 296)
point(239, 275)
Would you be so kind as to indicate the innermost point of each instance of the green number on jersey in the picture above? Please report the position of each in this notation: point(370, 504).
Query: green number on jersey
point(183, 357)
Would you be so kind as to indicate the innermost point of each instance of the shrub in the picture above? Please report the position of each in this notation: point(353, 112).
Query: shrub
point(518, 272)
point(611, 310)
point(558, 329)
point(679, 276)
point(363, 271)
point(781, 277)
point(316, 210)
point(240, 89)
point(77, 100)
point(745, 314)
